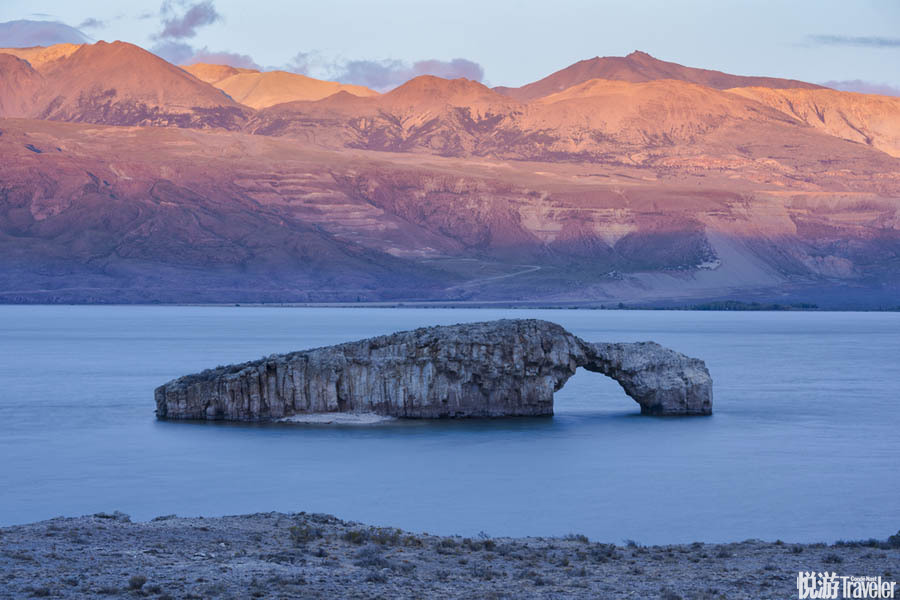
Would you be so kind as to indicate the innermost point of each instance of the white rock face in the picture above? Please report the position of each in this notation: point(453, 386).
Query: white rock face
point(491, 369)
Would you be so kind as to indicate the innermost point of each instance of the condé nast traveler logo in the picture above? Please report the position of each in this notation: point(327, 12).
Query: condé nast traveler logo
point(830, 585)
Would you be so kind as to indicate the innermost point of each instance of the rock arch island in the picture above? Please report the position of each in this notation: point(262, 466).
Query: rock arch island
point(489, 369)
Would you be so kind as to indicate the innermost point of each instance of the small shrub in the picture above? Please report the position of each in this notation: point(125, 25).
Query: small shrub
point(797, 549)
point(136, 582)
point(404, 567)
point(604, 552)
point(446, 546)
point(322, 518)
point(386, 536)
point(370, 556)
point(356, 536)
point(303, 533)
point(377, 577)
point(41, 592)
point(482, 571)
point(723, 553)
point(108, 590)
point(577, 537)
point(833, 558)
point(668, 594)
point(894, 540)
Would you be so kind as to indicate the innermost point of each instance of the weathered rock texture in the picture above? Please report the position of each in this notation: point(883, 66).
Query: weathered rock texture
point(491, 369)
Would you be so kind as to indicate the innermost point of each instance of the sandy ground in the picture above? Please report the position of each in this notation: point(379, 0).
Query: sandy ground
point(302, 555)
point(337, 419)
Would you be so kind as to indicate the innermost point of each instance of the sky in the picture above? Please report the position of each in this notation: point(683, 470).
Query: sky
point(501, 42)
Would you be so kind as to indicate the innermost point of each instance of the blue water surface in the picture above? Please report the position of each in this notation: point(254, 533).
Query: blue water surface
point(803, 445)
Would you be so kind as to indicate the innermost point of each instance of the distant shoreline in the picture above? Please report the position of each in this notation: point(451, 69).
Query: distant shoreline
point(724, 306)
point(280, 555)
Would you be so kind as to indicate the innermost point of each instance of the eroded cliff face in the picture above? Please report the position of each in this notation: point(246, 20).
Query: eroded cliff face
point(174, 215)
point(491, 369)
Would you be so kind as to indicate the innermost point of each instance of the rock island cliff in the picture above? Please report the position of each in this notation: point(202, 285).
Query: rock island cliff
point(490, 369)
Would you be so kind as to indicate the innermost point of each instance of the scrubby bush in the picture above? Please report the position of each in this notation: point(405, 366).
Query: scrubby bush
point(482, 571)
point(446, 546)
point(302, 533)
point(136, 582)
point(668, 594)
point(356, 536)
point(377, 577)
point(370, 556)
point(386, 536)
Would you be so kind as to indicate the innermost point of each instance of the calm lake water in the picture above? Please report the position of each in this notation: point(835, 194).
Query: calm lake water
point(803, 445)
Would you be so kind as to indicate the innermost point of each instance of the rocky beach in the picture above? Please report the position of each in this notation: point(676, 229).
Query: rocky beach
point(300, 555)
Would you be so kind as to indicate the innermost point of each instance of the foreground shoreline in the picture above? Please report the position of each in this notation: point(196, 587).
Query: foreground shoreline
point(277, 555)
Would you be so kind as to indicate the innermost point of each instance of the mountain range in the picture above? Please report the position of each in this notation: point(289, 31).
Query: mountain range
point(620, 179)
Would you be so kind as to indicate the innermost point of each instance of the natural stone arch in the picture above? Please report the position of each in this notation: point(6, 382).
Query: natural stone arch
point(660, 380)
point(491, 369)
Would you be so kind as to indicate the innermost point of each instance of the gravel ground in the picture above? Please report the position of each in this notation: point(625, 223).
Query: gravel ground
point(302, 555)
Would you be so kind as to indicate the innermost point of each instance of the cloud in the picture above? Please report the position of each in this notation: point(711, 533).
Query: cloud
point(862, 41)
point(458, 67)
point(92, 23)
point(180, 26)
point(376, 74)
point(180, 20)
point(179, 53)
point(306, 63)
point(383, 74)
point(204, 55)
point(24, 33)
point(863, 87)
point(176, 53)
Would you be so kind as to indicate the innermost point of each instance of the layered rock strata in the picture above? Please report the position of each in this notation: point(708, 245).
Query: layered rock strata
point(490, 369)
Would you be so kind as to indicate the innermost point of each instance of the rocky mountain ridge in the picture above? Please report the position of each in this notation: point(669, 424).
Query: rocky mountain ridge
point(166, 189)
